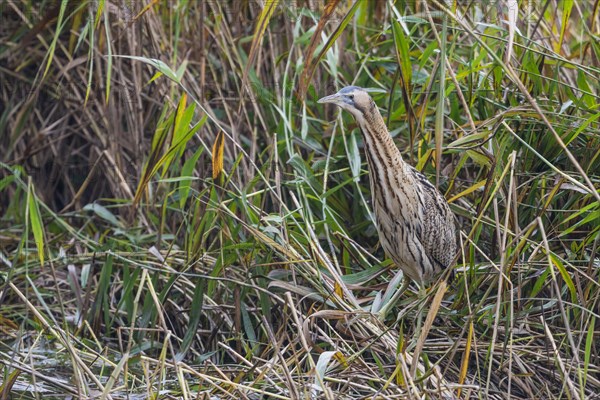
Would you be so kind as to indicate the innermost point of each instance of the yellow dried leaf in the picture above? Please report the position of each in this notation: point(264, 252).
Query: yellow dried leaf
point(341, 359)
point(217, 155)
point(338, 289)
point(468, 190)
point(465, 359)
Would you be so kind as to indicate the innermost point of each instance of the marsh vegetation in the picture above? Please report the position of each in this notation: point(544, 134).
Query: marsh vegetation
point(181, 219)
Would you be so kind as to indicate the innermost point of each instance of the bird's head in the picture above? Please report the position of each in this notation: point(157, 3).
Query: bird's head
point(353, 99)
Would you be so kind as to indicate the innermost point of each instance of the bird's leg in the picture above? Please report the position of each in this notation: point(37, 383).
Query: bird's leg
point(420, 303)
point(421, 297)
point(392, 302)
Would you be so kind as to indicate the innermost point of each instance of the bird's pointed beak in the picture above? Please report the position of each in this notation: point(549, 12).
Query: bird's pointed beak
point(334, 98)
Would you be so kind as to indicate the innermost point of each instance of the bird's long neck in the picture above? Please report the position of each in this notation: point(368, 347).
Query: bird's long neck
point(382, 153)
point(393, 189)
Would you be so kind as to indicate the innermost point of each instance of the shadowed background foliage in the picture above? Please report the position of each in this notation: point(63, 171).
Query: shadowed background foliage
point(179, 214)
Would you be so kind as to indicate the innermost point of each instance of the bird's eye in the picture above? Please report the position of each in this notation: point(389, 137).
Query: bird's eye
point(351, 97)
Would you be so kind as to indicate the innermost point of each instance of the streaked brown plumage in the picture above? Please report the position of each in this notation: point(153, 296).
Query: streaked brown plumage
point(414, 221)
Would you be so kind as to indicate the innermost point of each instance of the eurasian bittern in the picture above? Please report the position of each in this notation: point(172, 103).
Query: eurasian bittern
point(414, 221)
